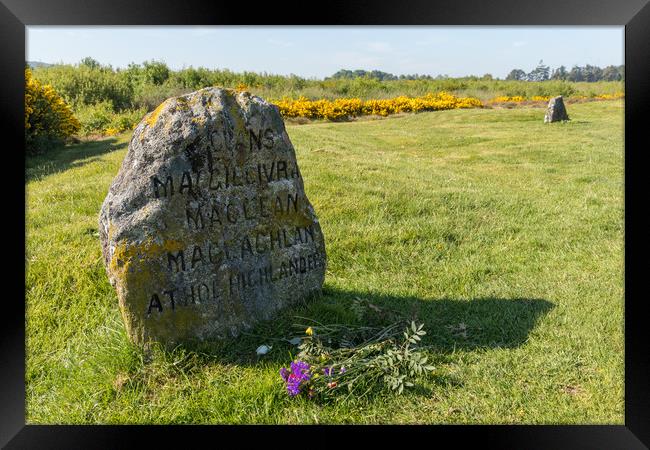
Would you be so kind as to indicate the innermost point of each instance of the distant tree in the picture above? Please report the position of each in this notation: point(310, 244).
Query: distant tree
point(539, 73)
point(592, 73)
point(560, 73)
point(516, 74)
point(576, 74)
point(90, 63)
point(487, 76)
point(381, 76)
point(377, 75)
point(343, 74)
point(155, 72)
point(611, 73)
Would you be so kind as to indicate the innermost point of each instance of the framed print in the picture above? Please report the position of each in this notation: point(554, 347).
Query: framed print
point(373, 218)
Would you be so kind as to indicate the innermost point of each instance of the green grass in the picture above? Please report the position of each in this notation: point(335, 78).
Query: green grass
point(487, 218)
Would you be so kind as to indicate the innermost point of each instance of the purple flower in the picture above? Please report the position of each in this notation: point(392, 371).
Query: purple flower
point(301, 368)
point(293, 385)
point(297, 375)
point(342, 369)
point(327, 371)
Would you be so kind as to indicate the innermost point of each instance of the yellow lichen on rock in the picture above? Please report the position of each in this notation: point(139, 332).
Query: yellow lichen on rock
point(199, 120)
point(153, 117)
point(124, 255)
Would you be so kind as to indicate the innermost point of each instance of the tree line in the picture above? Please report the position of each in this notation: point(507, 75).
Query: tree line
point(577, 73)
point(346, 74)
point(542, 72)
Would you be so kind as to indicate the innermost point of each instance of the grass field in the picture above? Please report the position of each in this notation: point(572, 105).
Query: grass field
point(504, 235)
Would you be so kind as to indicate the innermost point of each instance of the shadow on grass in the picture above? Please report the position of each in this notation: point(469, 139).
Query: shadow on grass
point(451, 324)
point(66, 157)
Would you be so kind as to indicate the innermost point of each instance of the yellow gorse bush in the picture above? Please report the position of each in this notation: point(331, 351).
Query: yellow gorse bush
point(48, 118)
point(506, 99)
point(610, 96)
point(545, 98)
point(343, 108)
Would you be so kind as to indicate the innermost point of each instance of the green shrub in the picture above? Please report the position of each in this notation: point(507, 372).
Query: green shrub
point(95, 118)
point(149, 96)
point(125, 120)
point(101, 119)
point(88, 84)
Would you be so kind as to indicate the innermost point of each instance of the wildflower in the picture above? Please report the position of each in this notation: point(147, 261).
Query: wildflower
point(300, 367)
point(293, 385)
point(309, 331)
point(332, 384)
point(343, 369)
point(327, 371)
point(297, 375)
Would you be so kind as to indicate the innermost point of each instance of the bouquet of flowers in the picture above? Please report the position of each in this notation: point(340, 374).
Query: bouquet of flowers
point(356, 359)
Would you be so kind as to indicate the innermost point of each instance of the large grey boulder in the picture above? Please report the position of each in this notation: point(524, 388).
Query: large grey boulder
point(207, 229)
point(556, 111)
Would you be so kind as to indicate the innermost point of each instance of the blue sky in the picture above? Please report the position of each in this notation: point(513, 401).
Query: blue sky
point(317, 52)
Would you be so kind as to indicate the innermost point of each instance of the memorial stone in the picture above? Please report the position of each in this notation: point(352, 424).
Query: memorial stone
point(556, 111)
point(207, 229)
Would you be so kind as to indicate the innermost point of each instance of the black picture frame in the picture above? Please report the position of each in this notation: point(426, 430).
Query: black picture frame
point(15, 15)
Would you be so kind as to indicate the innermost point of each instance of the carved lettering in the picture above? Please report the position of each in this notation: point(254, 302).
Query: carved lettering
point(175, 259)
point(170, 294)
point(255, 138)
point(155, 303)
point(186, 182)
point(197, 256)
point(268, 138)
point(196, 218)
point(168, 181)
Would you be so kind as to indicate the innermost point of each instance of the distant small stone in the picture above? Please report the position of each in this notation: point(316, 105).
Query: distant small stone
point(556, 110)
